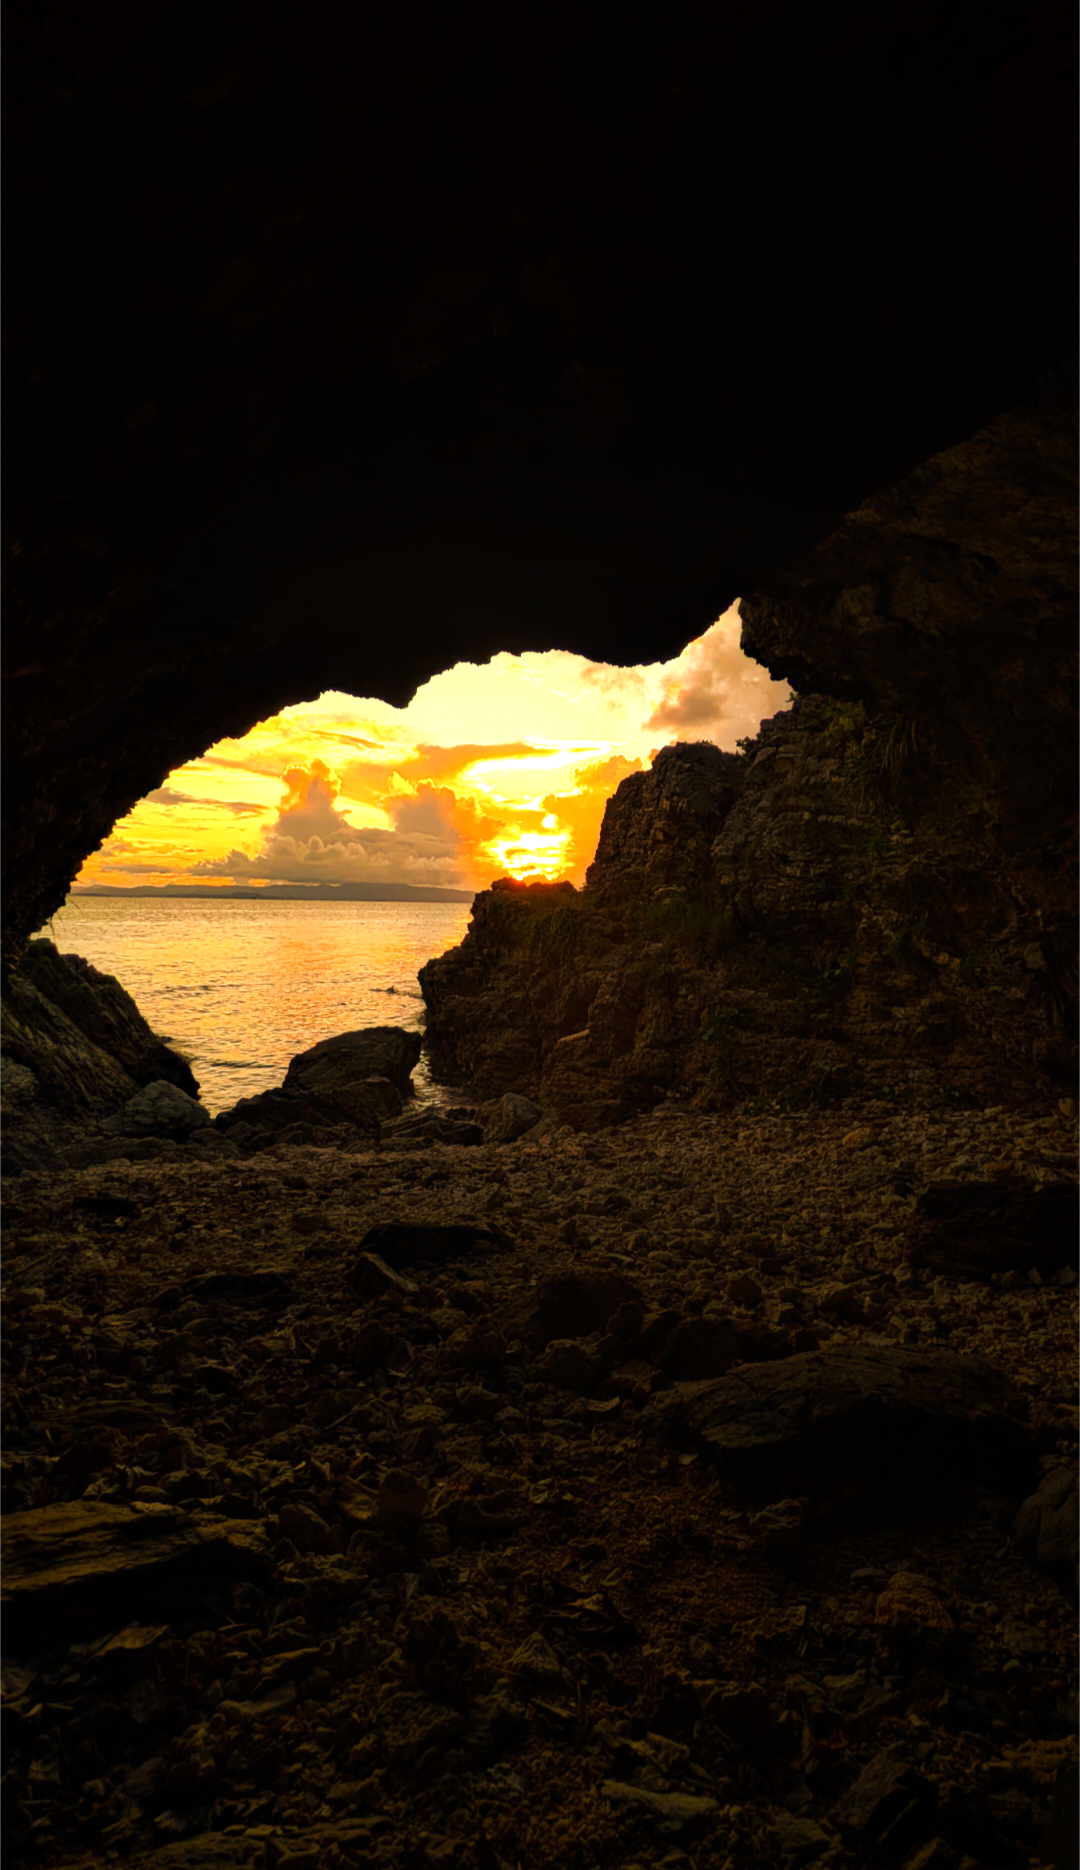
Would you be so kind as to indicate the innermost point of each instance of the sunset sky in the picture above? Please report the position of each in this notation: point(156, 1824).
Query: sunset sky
point(493, 770)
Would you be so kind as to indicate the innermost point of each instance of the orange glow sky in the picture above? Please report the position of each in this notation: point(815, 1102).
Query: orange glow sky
point(493, 770)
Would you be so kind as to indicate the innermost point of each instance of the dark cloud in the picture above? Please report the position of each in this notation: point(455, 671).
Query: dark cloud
point(313, 842)
point(164, 795)
point(241, 808)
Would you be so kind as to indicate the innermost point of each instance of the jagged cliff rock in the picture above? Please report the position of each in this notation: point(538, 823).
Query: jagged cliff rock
point(75, 1049)
point(948, 604)
point(875, 896)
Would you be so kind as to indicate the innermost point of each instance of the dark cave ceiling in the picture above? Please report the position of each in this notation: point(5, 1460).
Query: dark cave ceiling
point(348, 340)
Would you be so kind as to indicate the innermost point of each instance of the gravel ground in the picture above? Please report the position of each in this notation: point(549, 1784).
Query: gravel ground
point(488, 1618)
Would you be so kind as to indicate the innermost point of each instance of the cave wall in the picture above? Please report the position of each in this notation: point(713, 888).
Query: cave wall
point(344, 342)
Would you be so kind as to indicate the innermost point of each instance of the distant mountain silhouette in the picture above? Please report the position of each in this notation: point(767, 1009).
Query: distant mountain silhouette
point(291, 892)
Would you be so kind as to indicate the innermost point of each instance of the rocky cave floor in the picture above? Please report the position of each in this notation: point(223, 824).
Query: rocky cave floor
point(385, 1580)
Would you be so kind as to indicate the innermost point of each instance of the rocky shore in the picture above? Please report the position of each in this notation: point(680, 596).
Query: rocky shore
point(547, 1502)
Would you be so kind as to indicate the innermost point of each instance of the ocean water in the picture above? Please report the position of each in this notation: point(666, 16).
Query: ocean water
point(239, 987)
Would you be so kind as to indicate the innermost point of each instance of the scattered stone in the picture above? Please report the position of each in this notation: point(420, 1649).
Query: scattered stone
point(655, 1329)
point(698, 1347)
point(743, 1713)
point(371, 1346)
point(938, 1854)
point(158, 1110)
point(684, 1808)
point(744, 1290)
point(535, 1657)
point(887, 1806)
point(626, 1321)
point(403, 1243)
point(570, 1305)
point(567, 1365)
point(510, 1117)
point(306, 1528)
point(781, 1529)
point(285, 1402)
point(411, 1724)
point(261, 1285)
point(419, 1130)
point(486, 1518)
point(263, 1707)
point(400, 1502)
point(798, 1839)
point(969, 1230)
point(909, 1615)
point(371, 1276)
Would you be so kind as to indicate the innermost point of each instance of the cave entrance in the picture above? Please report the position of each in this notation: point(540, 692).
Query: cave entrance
point(290, 882)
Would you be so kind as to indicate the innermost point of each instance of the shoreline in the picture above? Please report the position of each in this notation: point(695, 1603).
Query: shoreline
point(596, 1587)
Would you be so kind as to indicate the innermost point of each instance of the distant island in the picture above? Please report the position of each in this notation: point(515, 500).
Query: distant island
point(288, 892)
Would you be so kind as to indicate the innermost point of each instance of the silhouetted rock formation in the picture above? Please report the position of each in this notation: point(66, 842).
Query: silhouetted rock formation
point(341, 1066)
point(339, 1090)
point(357, 342)
point(877, 894)
point(75, 1049)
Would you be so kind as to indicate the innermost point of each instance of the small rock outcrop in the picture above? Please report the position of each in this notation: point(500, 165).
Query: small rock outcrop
point(339, 1068)
point(160, 1109)
point(346, 1087)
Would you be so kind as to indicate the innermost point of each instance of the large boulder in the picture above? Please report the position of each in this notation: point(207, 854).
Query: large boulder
point(159, 1109)
point(856, 1416)
point(339, 1068)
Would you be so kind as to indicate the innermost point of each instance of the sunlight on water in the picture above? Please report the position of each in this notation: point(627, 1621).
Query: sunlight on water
point(240, 987)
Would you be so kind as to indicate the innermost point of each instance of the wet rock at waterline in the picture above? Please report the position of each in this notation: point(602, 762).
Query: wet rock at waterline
point(339, 1067)
point(343, 1089)
point(105, 1013)
point(75, 1050)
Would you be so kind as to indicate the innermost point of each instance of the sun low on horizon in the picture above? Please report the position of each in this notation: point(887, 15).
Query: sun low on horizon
point(499, 769)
